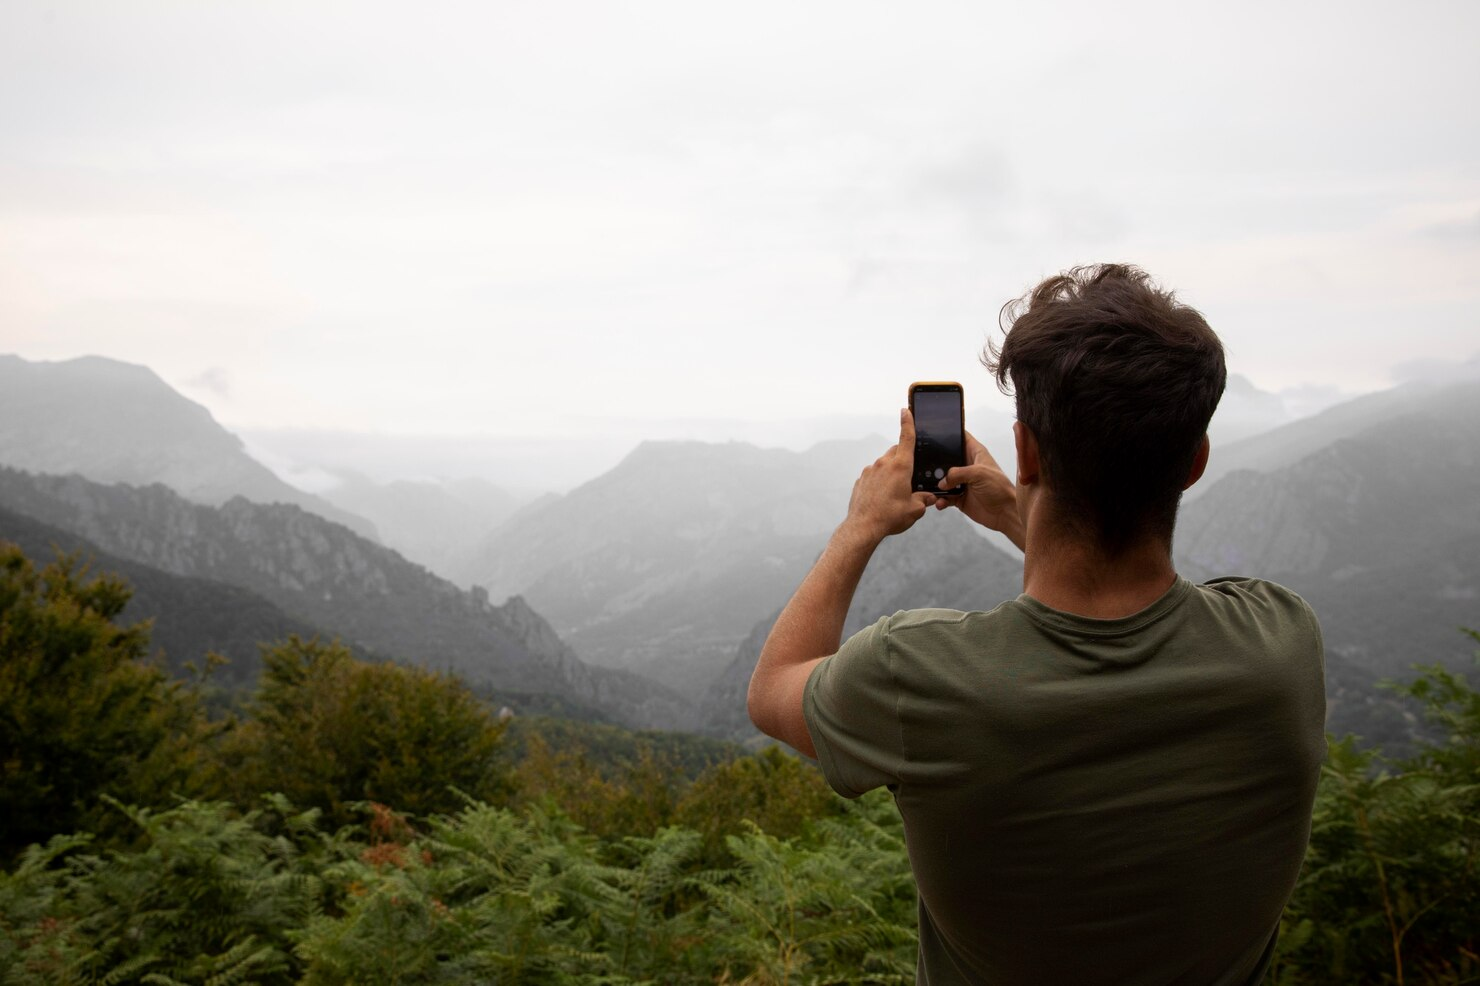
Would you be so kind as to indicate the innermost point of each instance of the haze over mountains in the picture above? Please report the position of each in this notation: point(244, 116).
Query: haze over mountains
point(120, 423)
point(671, 565)
point(663, 564)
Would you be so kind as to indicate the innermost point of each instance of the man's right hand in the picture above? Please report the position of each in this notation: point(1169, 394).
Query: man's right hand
point(990, 498)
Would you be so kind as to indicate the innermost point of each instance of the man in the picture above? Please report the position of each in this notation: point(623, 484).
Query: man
point(1108, 779)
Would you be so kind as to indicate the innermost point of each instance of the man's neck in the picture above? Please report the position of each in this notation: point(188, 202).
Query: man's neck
point(1073, 576)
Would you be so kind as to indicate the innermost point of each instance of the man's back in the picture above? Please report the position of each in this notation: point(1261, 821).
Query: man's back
point(1087, 800)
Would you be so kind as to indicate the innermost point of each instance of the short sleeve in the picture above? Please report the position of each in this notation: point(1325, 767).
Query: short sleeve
point(851, 707)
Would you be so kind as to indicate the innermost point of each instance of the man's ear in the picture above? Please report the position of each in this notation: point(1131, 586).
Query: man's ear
point(1027, 453)
point(1199, 462)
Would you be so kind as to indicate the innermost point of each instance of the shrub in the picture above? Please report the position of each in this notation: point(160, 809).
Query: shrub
point(203, 897)
point(328, 731)
point(1390, 887)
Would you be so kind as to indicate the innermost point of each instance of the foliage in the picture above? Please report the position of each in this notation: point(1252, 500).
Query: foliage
point(612, 749)
point(771, 790)
point(205, 897)
point(327, 731)
point(483, 895)
point(630, 799)
point(82, 713)
point(1390, 889)
point(836, 911)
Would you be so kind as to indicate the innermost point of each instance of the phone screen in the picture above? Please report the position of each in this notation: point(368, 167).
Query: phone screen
point(940, 442)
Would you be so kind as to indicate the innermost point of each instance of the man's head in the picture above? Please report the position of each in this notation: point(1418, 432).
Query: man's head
point(1116, 381)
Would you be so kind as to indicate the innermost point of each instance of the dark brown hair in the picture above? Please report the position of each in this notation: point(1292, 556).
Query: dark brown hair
point(1117, 380)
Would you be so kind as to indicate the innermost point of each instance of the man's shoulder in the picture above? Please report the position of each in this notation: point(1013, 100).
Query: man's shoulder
point(947, 620)
point(1245, 592)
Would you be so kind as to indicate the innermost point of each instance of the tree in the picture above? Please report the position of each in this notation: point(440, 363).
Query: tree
point(82, 712)
point(329, 731)
point(772, 790)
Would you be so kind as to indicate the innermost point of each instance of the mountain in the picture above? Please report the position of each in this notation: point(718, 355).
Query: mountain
point(117, 422)
point(1287, 444)
point(326, 576)
point(663, 564)
point(940, 562)
point(434, 524)
point(1245, 410)
point(191, 617)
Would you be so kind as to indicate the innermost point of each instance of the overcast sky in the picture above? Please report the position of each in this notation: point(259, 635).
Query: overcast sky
point(548, 218)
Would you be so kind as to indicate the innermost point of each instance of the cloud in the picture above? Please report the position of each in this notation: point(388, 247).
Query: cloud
point(216, 380)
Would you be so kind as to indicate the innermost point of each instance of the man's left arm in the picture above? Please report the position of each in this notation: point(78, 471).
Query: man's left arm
point(810, 628)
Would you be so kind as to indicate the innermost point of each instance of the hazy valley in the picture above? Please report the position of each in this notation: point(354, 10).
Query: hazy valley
point(642, 595)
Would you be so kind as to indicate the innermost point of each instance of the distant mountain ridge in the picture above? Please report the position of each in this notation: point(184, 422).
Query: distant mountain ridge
point(1288, 443)
point(328, 577)
point(116, 422)
point(435, 524)
point(663, 564)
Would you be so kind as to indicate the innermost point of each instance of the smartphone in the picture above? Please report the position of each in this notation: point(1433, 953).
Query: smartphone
point(940, 434)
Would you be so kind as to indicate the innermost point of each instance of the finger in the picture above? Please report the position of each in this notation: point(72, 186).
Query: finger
point(925, 499)
point(977, 453)
point(906, 431)
point(961, 476)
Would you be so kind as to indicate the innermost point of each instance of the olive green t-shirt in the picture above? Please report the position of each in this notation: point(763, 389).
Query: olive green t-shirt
point(1089, 801)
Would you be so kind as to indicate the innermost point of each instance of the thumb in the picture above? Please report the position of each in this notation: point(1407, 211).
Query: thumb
point(906, 430)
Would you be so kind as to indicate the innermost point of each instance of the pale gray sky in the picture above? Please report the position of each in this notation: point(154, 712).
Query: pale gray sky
point(527, 219)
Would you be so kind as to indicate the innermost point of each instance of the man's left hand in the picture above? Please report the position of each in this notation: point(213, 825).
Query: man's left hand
point(883, 502)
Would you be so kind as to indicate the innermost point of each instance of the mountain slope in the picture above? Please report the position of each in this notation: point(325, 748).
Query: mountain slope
point(117, 422)
point(432, 524)
point(191, 617)
point(329, 577)
point(1289, 443)
point(663, 564)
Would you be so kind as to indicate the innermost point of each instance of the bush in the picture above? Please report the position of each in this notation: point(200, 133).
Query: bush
point(328, 731)
point(1390, 887)
point(204, 897)
point(771, 790)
